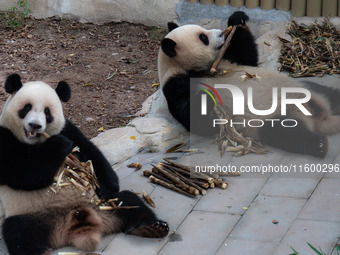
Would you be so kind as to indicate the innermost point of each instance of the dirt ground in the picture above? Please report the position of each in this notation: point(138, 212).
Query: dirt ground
point(111, 68)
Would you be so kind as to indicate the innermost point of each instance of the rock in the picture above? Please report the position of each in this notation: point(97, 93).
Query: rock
point(269, 55)
point(155, 132)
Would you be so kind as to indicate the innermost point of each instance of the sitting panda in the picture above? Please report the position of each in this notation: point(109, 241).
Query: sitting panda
point(36, 219)
point(189, 51)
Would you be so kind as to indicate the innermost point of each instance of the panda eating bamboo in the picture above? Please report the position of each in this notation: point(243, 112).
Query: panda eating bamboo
point(36, 218)
point(189, 51)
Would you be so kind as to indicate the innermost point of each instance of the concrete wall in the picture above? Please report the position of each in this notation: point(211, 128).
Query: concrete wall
point(148, 12)
point(152, 12)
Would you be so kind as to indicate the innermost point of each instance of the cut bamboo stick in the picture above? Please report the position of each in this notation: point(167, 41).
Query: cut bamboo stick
point(179, 183)
point(224, 48)
point(169, 186)
point(192, 1)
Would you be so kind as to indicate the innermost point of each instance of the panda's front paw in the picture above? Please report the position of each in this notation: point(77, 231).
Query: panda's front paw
point(155, 229)
point(108, 193)
point(61, 143)
point(238, 18)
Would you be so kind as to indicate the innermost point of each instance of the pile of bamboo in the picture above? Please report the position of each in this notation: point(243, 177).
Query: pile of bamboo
point(230, 140)
point(313, 51)
point(183, 179)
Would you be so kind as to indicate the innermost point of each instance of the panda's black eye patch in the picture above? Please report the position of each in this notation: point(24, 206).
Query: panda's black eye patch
point(48, 114)
point(204, 39)
point(23, 112)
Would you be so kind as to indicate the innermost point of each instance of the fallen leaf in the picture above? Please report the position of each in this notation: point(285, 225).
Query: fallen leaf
point(133, 137)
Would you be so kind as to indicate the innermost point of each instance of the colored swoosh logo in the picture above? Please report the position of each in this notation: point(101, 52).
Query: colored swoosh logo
point(213, 90)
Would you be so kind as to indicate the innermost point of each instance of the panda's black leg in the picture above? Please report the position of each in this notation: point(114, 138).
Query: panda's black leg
point(242, 48)
point(140, 221)
point(297, 139)
point(26, 235)
point(332, 94)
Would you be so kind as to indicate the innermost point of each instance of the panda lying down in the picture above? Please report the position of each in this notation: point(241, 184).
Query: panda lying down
point(36, 219)
point(189, 51)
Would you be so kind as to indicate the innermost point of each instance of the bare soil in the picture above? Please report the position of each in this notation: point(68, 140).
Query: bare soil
point(111, 68)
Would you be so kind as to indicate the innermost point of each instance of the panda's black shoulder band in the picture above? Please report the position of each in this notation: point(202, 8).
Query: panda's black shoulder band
point(13, 83)
point(63, 91)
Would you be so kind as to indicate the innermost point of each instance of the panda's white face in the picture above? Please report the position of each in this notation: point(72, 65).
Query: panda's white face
point(196, 48)
point(33, 109)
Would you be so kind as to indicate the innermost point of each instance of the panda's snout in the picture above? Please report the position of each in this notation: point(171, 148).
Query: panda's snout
point(34, 126)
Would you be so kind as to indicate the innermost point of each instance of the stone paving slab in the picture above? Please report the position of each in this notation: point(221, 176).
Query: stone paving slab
point(237, 220)
point(318, 233)
point(290, 187)
point(324, 205)
point(201, 233)
point(240, 193)
point(257, 223)
point(232, 246)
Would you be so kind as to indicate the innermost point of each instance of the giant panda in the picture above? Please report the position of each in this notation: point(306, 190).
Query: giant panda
point(189, 51)
point(36, 219)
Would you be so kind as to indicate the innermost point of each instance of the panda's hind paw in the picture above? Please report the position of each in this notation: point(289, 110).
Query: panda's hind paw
point(319, 147)
point(154, 229)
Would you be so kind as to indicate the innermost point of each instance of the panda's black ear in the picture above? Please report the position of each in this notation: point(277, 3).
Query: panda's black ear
point(63, 91)
point(168, 47)
point(13, 83)
point(172, 26)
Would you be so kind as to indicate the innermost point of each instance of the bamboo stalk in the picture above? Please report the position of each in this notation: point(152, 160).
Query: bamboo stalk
point(189, 182)
point(220, 55)
point(169, 186)
point(147, 173)
point(179, 183)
